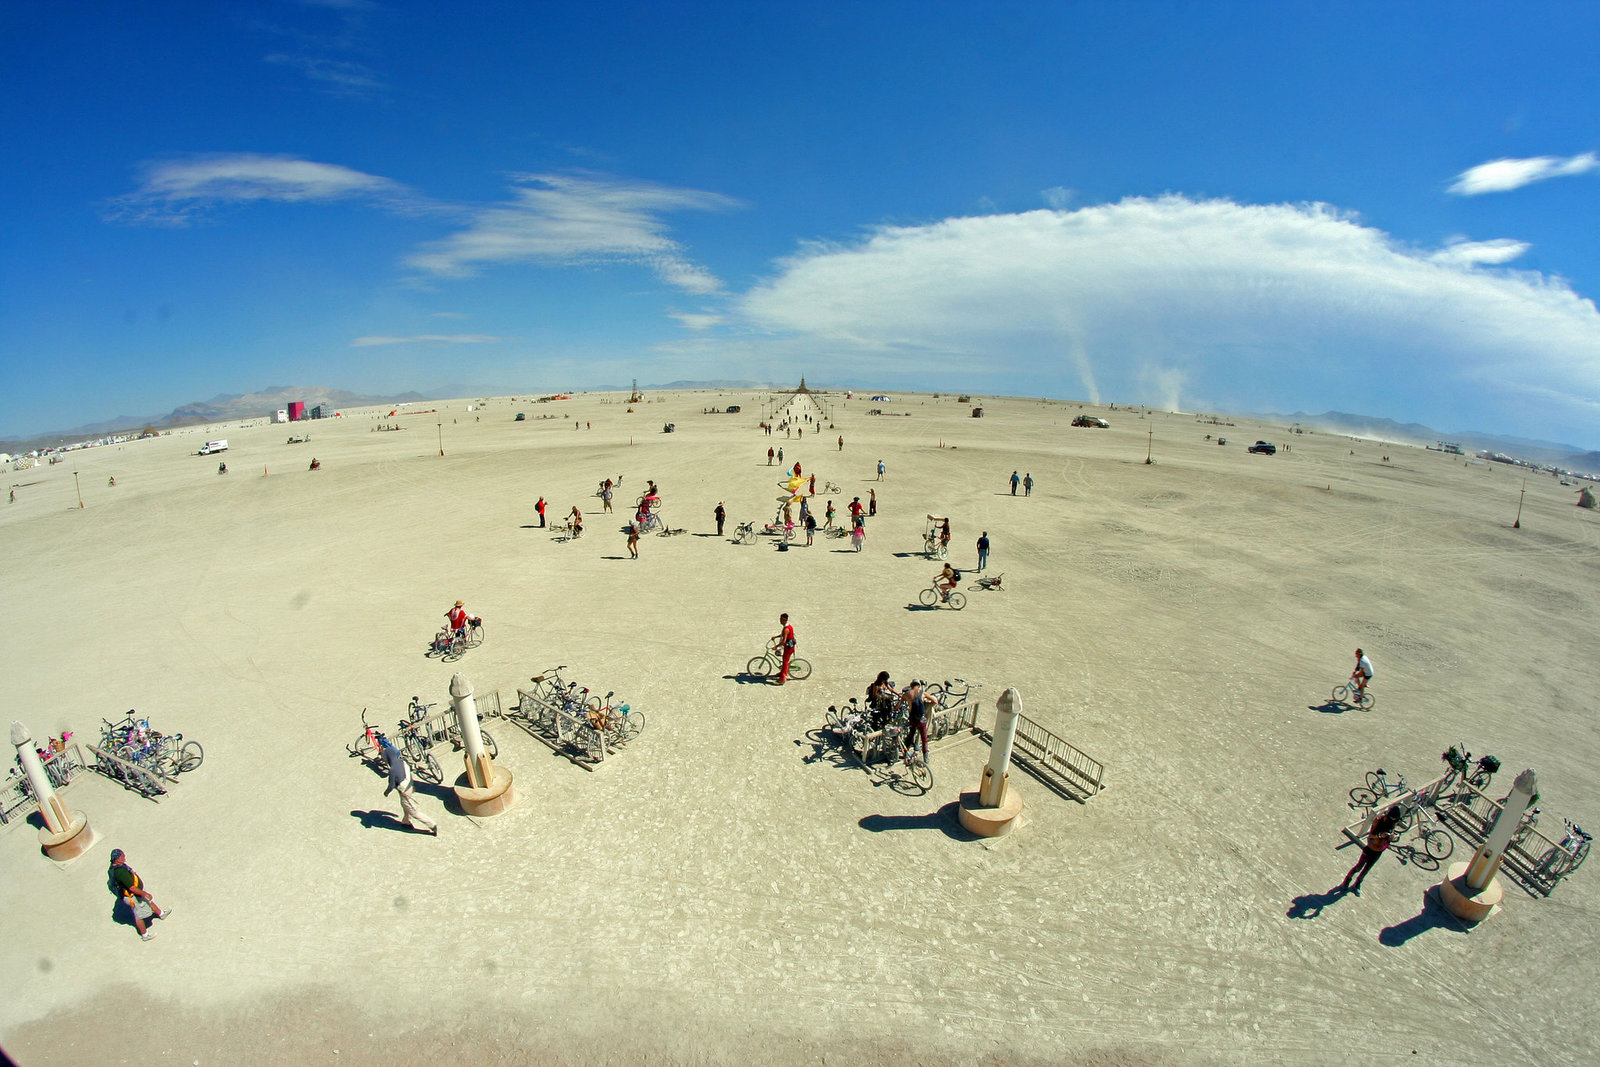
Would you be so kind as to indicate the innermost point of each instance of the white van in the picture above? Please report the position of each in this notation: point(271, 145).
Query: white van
point(213, 447)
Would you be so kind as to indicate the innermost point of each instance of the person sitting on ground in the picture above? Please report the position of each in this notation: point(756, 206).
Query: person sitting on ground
point(222, 468)
point(316, 464)
point(945, 581)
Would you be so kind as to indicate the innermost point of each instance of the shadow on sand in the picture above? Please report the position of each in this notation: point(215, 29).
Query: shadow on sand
point(943, 819)
point(1433, 916)
point(1329, 707)
point(1310, 905)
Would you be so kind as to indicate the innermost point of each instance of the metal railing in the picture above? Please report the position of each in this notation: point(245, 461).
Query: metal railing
point(1532, 860)
point(442, 725)
point(62, 768)
point(1056, 762)
point(151, 783)
point(566, 732)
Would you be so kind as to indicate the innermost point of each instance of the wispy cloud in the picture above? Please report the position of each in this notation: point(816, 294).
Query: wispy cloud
point(1059, 197)
point(697, 320)
point(1232, 306)
point(1503, 175)
point(340, 75)
point(576, 219)
point(173, 191)
point(429, 338)
point(1463, 253)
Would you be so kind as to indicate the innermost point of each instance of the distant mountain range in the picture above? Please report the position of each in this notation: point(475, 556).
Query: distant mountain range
point(1553, 453)
point(226, 406)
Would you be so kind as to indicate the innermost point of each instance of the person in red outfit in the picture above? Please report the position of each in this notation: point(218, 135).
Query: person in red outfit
point(784, 640)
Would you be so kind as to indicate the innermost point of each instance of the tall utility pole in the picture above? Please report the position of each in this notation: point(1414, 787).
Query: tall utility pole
point(441, 437)
point(1150, 446)
point(79, 488)
point(1515, 526)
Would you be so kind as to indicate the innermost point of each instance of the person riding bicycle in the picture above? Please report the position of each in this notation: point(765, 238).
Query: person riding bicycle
point(1362, 674)
point(945, 581)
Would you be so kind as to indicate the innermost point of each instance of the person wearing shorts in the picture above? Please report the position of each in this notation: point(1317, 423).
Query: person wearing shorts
point(138, 899)
point(1363, 672)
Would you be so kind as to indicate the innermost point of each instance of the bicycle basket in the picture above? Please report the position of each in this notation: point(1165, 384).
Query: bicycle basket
point(1490, 764)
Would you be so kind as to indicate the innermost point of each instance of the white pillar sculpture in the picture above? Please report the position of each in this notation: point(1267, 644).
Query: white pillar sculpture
point(1471, 890)
point(64, 835)
point(484, 789)
point(994, 808)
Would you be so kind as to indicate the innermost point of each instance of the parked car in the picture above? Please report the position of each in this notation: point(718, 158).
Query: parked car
point(1266, 448)
point(522, 416)
point(733, 409)
point(1090, 420)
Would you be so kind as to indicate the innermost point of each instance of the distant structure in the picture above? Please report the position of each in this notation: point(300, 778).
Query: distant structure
point(1586, 497)
point(636, 397)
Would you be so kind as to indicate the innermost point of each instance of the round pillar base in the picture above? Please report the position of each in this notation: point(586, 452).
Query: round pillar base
point(991, 822)
point(492, 799)
point(69, 843)
point(1464, 902)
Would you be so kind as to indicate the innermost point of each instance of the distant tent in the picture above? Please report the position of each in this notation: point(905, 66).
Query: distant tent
point(1586, 497)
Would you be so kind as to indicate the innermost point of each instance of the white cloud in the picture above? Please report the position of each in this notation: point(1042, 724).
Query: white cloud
point(1239, 306)
point(175, 190)
point(1059, 197)
point(696, 320)
point(337, 75)
point(1503, 175)
point(569, 220)
point(1461, 252)
point(429, 338)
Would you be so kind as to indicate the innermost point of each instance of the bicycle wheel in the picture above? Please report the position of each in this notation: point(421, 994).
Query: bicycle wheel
point(428, 768)
point(632, 725)
point(938, 725)
point(474, 637)
point(921, 773)
point(489, 745)
point(1403, 823)
point(928, 597)
point(1375, 782)
point(1363, 797)
point(958, 600)
point(1438, 844)
point(592, 741)
point(835, 722)
point(1364, 702)
point(799, 669)
point(758, 667)
point(190, 756)
point(1479, 779)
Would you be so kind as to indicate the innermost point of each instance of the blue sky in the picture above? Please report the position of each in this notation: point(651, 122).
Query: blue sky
point(1385, 209)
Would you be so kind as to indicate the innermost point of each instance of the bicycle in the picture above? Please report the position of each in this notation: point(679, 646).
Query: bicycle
point(933, 595)
point(1568, 856)
point(415, 746)
point(901, 746)
point(453, 644)
point(946, 700)
point(650, 524)
point(933, 547)
point(175, 756)
point(1353, 695)
point(829, 489)
point(1377, 789)
point(745, 533)
point(771, 662)
point(991, 584)
point(368, 747)
point(1436, 842)
point(619, 721)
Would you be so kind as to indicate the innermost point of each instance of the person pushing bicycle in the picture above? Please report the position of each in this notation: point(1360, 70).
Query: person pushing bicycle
point(460, 620)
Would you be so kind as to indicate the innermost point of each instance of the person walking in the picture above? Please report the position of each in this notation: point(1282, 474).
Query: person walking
point(633, 539)
point(841, 442)
point(780, 455)
point(1015, 481)
point(138, 899)
point(722, 517)
point(1378, 839)
point(769, 457)
point(605, 500)
point(784, 639)
point(983, 550)
point(1027, 484)
point(811, 527)
point(855, 511)
point(880, 470)
point(829, 514)
point(539, 507)
point(872, 503)
point(400, 782)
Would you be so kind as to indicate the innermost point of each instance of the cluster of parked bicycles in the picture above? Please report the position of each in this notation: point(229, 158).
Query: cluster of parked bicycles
point(416, 735)
point(144, 756)
point(1464, 779)
point(570, 716)
point(882, 735)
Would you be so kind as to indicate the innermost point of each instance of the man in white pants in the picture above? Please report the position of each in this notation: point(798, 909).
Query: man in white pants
point(400, 781)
